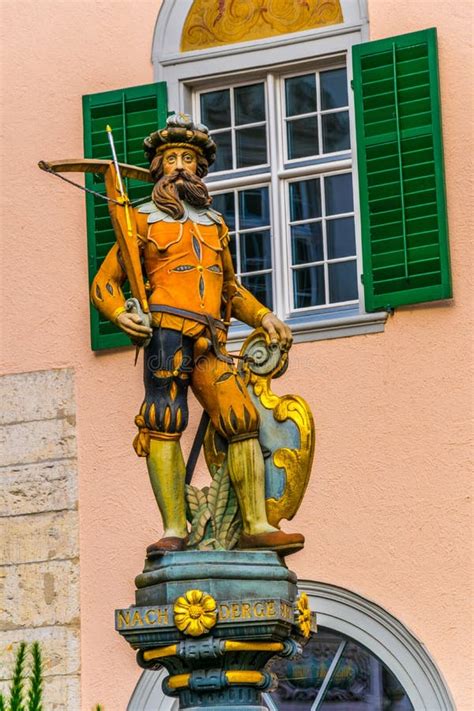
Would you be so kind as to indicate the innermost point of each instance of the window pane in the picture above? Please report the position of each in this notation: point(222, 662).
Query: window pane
point(307, 243)
point(333, 89)
point(261, 287)
point(300, 94)
point(251, 146)
point(249, 104)
point(302, 137)
point(224, 203)
point(360, 682)
point(233, 251)
point(308, 286)
point(335, 129)
point(224, 152)
point(341, 237)
point(254, 208)
point(342, 281)
point(338, 189)
point(215, 109)
point(305, 199)
point(255, 251)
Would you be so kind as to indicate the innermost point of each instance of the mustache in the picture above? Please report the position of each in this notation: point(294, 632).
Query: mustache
point(171, 189)
point(183, 174)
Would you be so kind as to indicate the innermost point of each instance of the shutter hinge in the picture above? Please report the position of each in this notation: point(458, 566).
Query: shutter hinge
point(361, 278)
point(352, 84)
point(389, 309)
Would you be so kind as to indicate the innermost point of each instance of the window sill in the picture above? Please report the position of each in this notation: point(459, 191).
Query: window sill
point(306, 328)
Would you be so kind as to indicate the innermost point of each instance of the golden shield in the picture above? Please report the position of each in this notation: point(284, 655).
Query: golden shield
point(286, 434)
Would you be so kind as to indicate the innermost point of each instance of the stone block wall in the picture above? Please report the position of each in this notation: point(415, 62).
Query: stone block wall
point(39, 563)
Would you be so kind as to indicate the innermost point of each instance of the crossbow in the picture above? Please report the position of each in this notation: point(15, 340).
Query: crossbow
point(123, 218)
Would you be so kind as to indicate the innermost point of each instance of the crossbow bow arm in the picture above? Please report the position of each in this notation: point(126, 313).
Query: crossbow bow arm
point(120, 209)
point(93, 165)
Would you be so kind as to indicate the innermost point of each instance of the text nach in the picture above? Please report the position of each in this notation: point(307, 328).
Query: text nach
point(227, 611)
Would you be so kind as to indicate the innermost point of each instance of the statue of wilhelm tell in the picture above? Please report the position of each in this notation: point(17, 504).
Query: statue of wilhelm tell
point(174, 251)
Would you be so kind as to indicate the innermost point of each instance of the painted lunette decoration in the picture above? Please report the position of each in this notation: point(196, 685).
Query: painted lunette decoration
point(212, 24)
point(259, 447)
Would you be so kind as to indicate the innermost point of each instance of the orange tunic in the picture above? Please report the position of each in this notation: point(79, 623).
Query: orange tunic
point(188, 266)
point(183, 263)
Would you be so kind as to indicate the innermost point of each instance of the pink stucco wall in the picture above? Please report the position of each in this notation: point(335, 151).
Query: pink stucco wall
point(388, 513)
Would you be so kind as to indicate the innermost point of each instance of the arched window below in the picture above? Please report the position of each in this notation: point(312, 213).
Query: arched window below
point(335, 672)
point(362, 659)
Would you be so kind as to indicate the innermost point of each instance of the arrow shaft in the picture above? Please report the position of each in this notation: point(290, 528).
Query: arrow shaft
point(114, 158)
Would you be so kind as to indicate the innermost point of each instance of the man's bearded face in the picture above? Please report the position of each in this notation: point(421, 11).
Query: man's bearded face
point(176, 180)
point(179, 159)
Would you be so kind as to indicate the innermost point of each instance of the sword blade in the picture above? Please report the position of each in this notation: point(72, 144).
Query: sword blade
point(196, 448)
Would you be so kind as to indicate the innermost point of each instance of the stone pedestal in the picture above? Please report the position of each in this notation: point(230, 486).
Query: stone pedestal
point(214, 619)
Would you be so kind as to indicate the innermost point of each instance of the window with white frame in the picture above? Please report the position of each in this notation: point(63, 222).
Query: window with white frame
point(281, 112)
point(283, 182)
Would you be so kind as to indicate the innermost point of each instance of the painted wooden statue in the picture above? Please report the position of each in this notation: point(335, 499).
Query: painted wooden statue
point(174, 252)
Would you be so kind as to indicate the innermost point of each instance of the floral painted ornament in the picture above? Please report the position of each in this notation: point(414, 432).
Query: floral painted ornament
point(304, 614)
point(195, 613)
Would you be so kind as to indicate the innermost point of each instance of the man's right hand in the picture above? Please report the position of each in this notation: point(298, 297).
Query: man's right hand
point(132, 325)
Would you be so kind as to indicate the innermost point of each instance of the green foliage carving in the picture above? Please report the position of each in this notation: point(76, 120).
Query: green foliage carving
point(16, 692)
point(214, 513)
point(35, 681)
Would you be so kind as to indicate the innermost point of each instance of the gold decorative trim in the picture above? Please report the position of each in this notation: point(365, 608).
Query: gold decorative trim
point(181, 681)
point(303, 615)
point(295, 462)
point(231, 646)
point(117, 312)
point(213, 23)
point(195, 613)
point(160, 652)
point(189, 146)
point(260, 315)
point(244, 677)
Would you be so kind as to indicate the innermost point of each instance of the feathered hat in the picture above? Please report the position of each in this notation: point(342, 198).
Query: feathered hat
point(181, 131)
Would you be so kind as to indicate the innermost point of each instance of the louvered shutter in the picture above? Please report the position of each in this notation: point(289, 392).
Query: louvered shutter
point(132, 113)
point(401, 174)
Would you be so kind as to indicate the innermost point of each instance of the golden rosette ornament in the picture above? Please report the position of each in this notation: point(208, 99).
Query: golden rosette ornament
point(304, 615)
point(195, 613)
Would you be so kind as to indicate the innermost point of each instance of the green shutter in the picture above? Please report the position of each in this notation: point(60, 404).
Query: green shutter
point(401, 174)
point(133, 113)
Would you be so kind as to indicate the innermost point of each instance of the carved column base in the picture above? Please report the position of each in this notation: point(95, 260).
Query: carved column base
point(214, 619)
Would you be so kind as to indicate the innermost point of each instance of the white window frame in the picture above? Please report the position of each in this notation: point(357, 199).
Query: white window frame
point(221, 85)
point(242, 231)
point(187, 72)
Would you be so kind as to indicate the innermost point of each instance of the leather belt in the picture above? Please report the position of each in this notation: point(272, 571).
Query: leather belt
point(191, 315)
point(206, 319)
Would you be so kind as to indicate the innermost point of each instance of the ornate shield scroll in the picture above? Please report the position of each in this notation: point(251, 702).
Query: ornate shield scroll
point(286, 431)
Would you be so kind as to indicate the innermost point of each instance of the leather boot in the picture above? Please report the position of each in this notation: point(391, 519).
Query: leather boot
point(247, 472)
point(167, 475)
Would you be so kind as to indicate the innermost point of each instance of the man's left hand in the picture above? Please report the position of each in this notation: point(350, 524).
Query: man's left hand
point(278, 331)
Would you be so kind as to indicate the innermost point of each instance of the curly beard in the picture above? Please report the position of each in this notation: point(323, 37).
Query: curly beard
point(170, 190)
